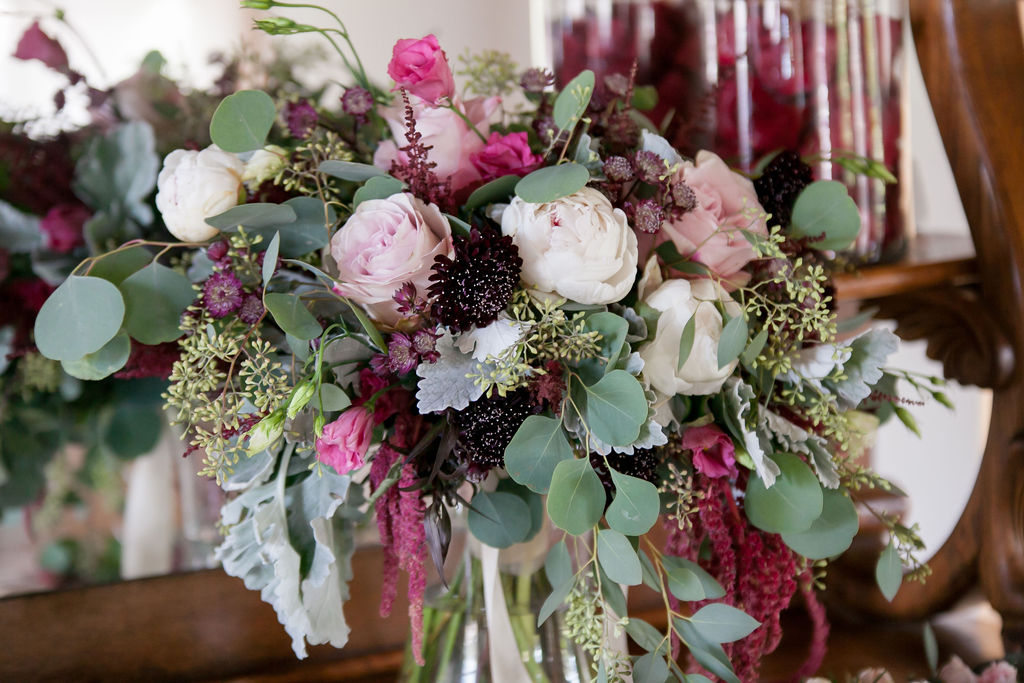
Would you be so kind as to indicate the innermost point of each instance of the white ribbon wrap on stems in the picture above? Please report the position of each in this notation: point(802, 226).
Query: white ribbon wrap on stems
point(506, 662)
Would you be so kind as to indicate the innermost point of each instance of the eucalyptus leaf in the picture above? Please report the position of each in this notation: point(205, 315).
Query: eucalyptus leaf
point(650, 668)
point(499, 519)
point(635, 507)
point(118, 265)
point(252, 217)
point(350, 170)
point(708, 654)
point(81, 315)
point(755, 347)
point(133, 430)
point(686, 341)
point(931, 647)
point(331, 398)
point(791, 504)
point(116, 174)
point(19, 231)
point(645, 635)
point(616, 408)
point(733, 340)
point(613, 330)
point(552, 182)
point(572, 101)
point(378, 187)
point(154, 299)
point(617, 557)
point(832, 532)
point(242, 121)
point(825, 213)
point(270, 258)
point(536, 449)
point(499, 190)
point(721, 623)
point(459, 226)
point(292, 315)
point(103, 363)
point(576, 498)
point(709, 586)
point(558, 564)
point(889, 572)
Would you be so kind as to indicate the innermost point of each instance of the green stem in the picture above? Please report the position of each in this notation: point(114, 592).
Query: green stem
point(462, 115)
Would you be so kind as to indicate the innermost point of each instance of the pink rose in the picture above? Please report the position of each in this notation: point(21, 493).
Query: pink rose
point(506, 155)
point(384, 244)
point(63, 226)
point(998, 672)
point(421, 67)
point(452, 143)
point(712, 232)
point(713, 452)
point(955, 671)
point(345, 441)
point(35, 44)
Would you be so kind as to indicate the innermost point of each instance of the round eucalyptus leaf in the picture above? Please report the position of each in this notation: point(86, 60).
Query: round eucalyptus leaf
point(552, 182)
point(499, 519)
point(103, 363)
point(292, 315)
point(825, 212)
point(832, 532)
point(154, 298)
point(616, 408)
point(242, 121)
point(576, 498)
point(498, 190)
point(81, 315)
point(636, 505)
point(791, 504)
point(536, 449)
point(133, 430)
point(618, 558)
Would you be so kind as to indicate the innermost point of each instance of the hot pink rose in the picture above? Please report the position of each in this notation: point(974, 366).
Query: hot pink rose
point(713, 452)
point(63, 226)
point(421, 67)
point(35, 44)
point(506, 155)
point(452, 142)
point(345, 441)
point(384, 244)
point(712, 232)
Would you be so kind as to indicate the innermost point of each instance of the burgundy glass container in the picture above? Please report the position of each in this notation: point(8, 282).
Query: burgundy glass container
point(745, 78)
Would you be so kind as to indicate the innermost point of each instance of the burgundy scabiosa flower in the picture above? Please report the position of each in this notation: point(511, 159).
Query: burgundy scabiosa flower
point(222, 294)
point(477, 284)
point(487, 426)
point(642, 464)
point(783, 179)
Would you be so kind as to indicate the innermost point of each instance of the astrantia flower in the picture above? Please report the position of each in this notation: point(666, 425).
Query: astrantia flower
point(357, 102)
point(487, 426)
point(401, 356)
point(424, 343)
point(251, 309)
point(222, 294)
point(474, 286)
point(537, 80)
point(301, 118)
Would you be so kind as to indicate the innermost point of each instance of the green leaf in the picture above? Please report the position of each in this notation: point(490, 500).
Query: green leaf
point(645, 635)
point(270, 258)
point(572, 102)
point(613, 330)
point(889, 572)
point(732, 341)
point(721, 623)
point(253, 217)
point(683, 571)
point(755, 347)
point(616, 408)
point(242, 121)
point(378, 187)
point(709, 655)
point(645, 97)
point(832, 532)
point(651, 579)
point(617, 558)
point(650, 668)
point(459, 226)
point(576, 498)
point(931, 647)
point(686, 341)
point(292, 315)
point(154, 299)
point(103, 363)
point(535, 450)
point(552, 182)
point(612, 594)
point(81, 315)
point(676, 261)
point(117, 266)
point(133, 430)
point(332, 398)
point(636, 505)
point(907, 419)
point(499, 519)
point(792, 503)
point(498, 190)
point(19, 231)
point(115, 176)
point(825, 210)
point(350, 170)
point(310, 230)
point(558, 568)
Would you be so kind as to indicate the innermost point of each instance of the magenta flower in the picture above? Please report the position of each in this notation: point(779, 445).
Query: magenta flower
point(713, 452)
point(35, 44)
point(63, 226)
point(421, 67)
point(505, 155)
point(344, 442)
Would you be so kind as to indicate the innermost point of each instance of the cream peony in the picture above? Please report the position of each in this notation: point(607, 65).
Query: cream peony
point(193, 186)
point(678, 301)
point(578, 247)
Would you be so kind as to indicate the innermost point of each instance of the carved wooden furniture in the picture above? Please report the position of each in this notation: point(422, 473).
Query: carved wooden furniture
point(966, 300)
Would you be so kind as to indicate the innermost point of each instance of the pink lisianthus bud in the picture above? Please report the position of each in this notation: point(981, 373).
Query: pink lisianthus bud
point(63, 226)
point(421, 67)
point(344, 442)
point(506, 155)
point(713, 452)
point(35, 44)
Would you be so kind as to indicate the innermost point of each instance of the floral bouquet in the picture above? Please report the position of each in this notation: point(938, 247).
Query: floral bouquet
point(541, 315)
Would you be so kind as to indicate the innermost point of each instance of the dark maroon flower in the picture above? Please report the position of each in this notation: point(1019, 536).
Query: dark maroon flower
point(35, 44)
point(408, 301)
point(216, 251)
point(301, 118)
point(487, 426)
point(357, 102)
point(222, 294)
point(31, 293)
point(63, 226)
point(251, 309)
point(618, 169)
point(649, 167)
point(150, 361)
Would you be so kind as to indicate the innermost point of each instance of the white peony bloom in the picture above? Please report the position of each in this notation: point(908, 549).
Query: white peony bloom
point(193, 186)
point(678, 301)
point(578, 247)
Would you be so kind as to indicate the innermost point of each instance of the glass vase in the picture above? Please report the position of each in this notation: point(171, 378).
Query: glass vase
point(457, 630)
point(745, 78)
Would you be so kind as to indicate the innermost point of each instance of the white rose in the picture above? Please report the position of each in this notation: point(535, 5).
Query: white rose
point(192, 186)
point(678, 301)
point(578, 247)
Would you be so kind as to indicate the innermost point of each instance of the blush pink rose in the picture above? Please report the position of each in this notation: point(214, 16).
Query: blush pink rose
point(712, 232)
point(506, 155)
point(63, 226)
point(421, 67)
point(344, 442)
point(35, 44)
point(384, 244)
point(452, 143)
point(713, 452)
